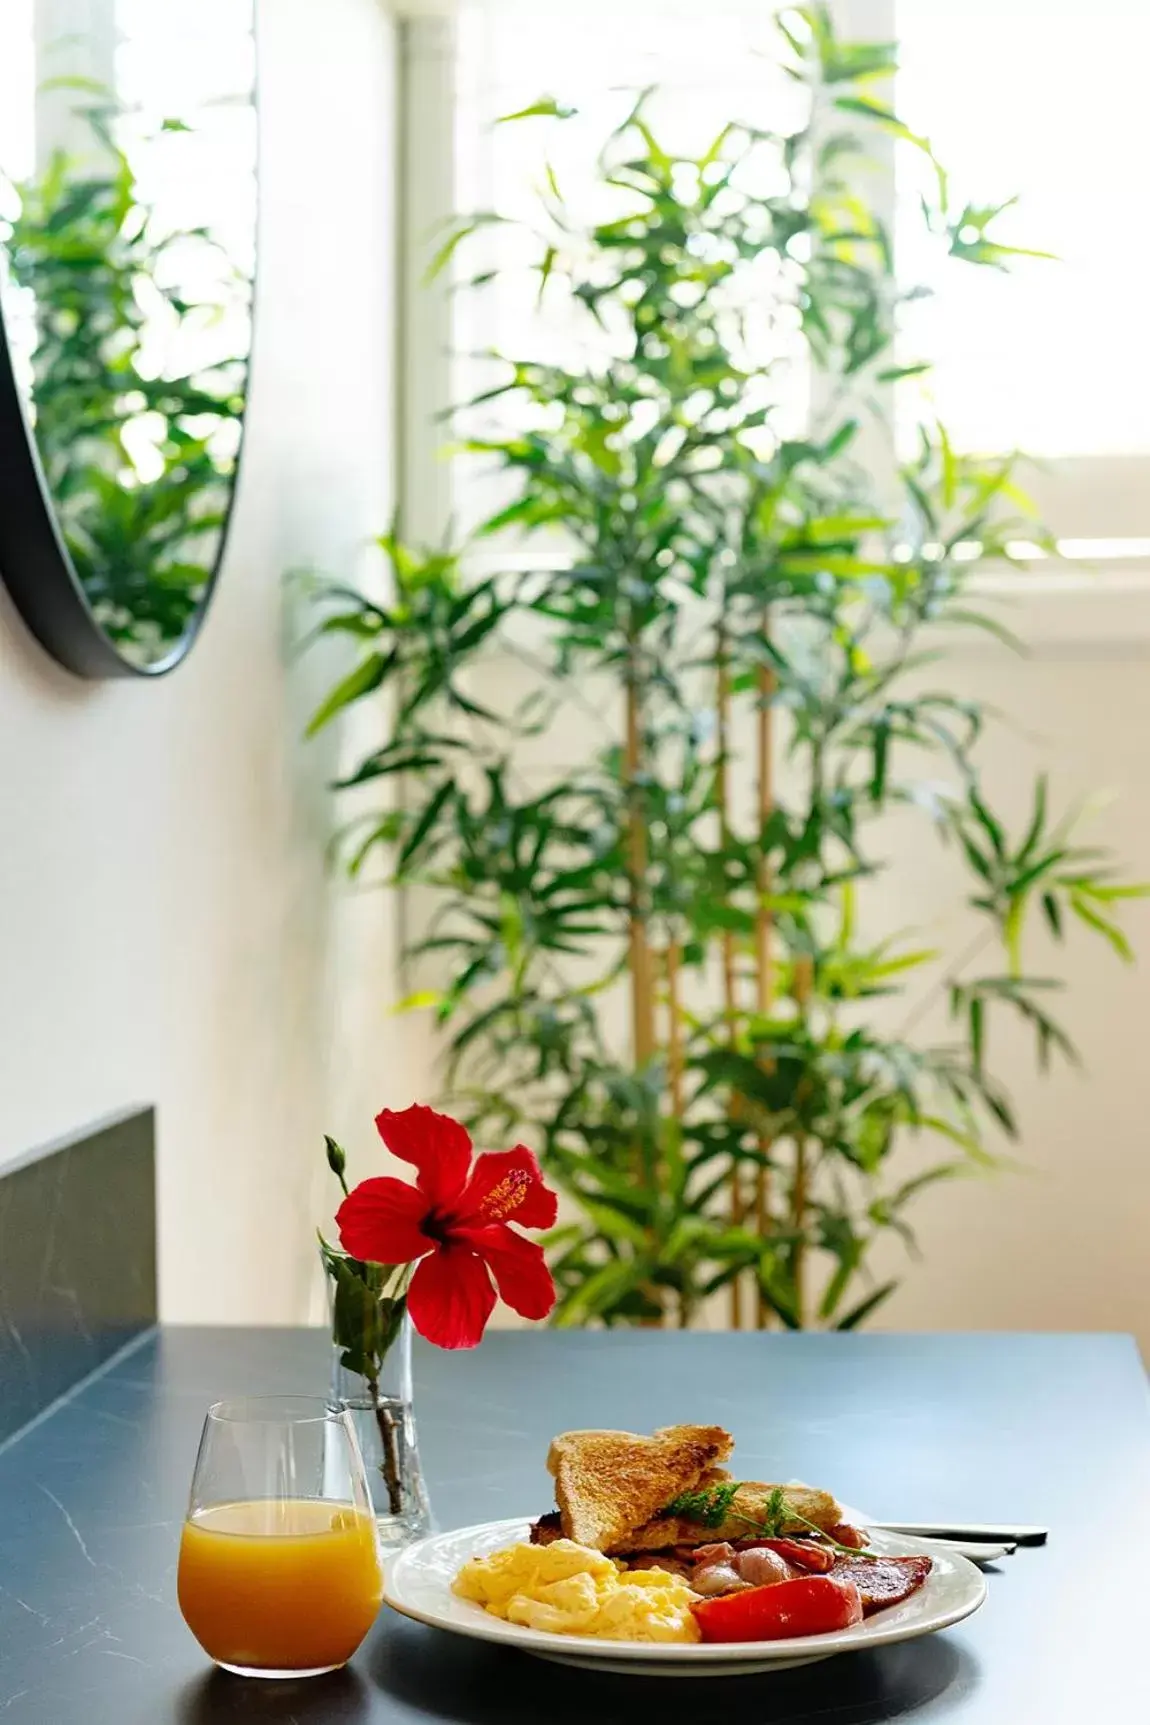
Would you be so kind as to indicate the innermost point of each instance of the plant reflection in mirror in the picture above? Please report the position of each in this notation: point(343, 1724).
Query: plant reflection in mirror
point(751, 619)
point(136, 411)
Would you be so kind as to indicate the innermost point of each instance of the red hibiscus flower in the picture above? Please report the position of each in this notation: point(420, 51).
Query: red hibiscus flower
point(453, 1225)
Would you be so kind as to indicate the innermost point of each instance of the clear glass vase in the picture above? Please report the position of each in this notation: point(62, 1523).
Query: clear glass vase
point(371, 1381)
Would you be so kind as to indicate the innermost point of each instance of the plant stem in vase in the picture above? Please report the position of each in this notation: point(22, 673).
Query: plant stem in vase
point(371, 1335)
point(385, 1420)
point(430, 1255)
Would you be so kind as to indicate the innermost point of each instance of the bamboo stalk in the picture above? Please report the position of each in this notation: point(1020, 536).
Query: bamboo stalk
point(763, 919)
point(764, 979)
point(723, 791)
point(642, 980)
point(798, 1221)
point(737, 1207)
point(640, 958)
point(674, 1030)
point(803, 982)
point(674, 960)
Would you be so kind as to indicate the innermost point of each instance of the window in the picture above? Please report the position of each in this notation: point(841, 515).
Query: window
point(1036, 97)
point(595, 58)
point(17, 89)
point(1046, 101)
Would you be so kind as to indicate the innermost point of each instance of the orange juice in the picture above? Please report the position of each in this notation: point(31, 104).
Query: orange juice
point(280, 1584)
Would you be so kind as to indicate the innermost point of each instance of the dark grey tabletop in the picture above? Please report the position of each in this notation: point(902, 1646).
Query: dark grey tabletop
point(1051, 1429)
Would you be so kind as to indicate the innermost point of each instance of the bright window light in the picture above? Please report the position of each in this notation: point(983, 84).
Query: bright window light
point(1088, 550)
point(1047, 100)
point(17, 92)
point(596, 58)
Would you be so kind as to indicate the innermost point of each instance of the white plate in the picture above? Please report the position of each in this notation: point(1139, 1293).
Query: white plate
point(419, 1585)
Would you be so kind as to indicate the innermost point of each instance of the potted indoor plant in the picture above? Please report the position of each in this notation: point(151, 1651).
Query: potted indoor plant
point(742, 625)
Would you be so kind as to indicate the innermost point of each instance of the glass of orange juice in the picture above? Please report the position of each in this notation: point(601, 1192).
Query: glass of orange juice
point(279, 1571)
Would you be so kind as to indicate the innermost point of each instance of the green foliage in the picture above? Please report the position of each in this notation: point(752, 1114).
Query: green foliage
point(709, 1506)
point(705, 575)
point(139, 458)
point(367, 1316)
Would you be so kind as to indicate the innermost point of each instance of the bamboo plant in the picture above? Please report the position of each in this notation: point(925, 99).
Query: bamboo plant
point(732, 618)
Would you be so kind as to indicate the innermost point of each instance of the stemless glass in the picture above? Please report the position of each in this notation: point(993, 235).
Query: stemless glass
point(279, 1570)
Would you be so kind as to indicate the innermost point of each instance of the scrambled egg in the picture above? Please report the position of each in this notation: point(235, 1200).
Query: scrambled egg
point(569, 1590)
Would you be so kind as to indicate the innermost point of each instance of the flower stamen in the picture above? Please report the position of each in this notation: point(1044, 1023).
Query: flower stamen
point(506, 1197)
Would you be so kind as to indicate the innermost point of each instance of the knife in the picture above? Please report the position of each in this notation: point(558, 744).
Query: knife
point(977, 1550)
point(969, 1532)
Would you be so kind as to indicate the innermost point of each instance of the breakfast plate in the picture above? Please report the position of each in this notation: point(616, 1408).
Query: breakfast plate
point(419, 1586)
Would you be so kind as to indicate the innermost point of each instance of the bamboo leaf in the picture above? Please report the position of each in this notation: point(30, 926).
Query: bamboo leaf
point(1038, 820)
point(932, 1177)
point(424, 825)
point(545, 108)
point(897, 373)
point(836, 1287)
point(990, 826)
point(1103, 926)
point(989, 625)
point(369, 675)
point(598, 1292)
point(1053, 914)
point(866, 1308)
point(1093, 887)
point(419, 1001)
point(977, 1032)
point(464, 230)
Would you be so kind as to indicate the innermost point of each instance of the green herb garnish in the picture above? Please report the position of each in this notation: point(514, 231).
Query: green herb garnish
point(779, 1513)
point(714, 1505)
point(710, 1507)
point(776, 1515)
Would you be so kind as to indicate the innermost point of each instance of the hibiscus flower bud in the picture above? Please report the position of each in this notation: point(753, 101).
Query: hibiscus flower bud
point(336, 1160)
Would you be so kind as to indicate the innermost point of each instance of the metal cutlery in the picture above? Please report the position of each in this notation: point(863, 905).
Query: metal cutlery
point(967, 1533)
point(978, 1551)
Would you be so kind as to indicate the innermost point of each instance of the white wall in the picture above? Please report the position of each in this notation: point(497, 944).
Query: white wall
point(167, 932)
point(1062, 1244)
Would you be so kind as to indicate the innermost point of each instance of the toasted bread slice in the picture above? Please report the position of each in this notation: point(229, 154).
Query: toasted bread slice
point(609, 1483)
point(747, 1507)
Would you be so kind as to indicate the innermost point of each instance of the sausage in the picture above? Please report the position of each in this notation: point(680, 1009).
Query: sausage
point(801, 1554)
point(762, 1567)
point(844, 1534)
point(711, 1579)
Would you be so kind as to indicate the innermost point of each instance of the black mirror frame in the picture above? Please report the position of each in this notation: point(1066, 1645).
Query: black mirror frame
point(35, 564)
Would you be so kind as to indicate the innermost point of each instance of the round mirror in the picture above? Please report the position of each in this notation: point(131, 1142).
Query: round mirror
point(127, 264)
